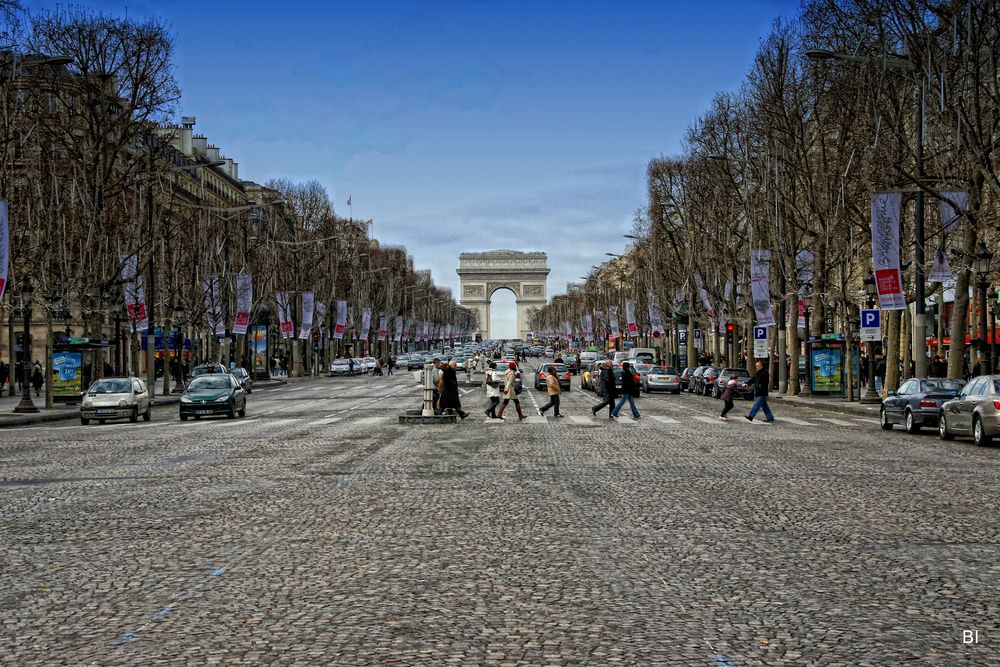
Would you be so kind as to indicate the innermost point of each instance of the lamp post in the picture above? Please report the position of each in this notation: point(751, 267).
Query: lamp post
point(179, 326)
point(807, 389)
point(871, 396)
point(26, 405)
point(992, 296)
point(981, 265)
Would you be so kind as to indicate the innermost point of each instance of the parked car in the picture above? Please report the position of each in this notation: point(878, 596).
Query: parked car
point(917, 403)
point(694, 378)
point(213, 395)
point(686, 378)
point(116, 398)
point(661, 378)
point(975, 411)
point(561, 372)
point(703, 383)
point(340, 366)
point(209, 368)
point(367, 364)
point(243, 378)
point(415, 362)
point(742, 389)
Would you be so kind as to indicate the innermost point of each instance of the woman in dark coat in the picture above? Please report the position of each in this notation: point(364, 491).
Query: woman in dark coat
point(37, 380)
point(448, 390)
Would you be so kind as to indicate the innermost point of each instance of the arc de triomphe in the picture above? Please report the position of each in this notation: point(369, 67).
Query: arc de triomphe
point(523, 273)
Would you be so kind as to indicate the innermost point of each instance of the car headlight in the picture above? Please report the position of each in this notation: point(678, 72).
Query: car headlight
point(185, 399)
point(87, 403)
point(123, 403)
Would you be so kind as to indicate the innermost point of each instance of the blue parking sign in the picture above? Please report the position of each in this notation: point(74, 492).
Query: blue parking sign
point(760, 333)
point(871, 318)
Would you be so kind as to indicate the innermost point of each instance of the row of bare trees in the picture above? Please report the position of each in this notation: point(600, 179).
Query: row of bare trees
point(91, 180)
point(848, 99)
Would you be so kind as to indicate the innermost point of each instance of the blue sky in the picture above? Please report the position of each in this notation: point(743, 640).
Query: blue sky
point(462, 126)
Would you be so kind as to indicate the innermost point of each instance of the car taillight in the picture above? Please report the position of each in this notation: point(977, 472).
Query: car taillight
point(711, 378)
point(636, 377)
point(567, 376)
point(932, 404)
point(996, 404)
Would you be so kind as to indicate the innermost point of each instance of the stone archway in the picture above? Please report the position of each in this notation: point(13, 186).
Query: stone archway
point(523, 273)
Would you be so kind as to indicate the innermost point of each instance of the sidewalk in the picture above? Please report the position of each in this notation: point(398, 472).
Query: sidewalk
point(832, 404)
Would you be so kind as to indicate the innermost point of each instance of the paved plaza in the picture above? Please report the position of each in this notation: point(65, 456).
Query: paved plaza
point(319, 531)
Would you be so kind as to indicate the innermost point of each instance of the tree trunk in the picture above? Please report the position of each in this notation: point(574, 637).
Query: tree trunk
point(792, 342)
point(892, 354)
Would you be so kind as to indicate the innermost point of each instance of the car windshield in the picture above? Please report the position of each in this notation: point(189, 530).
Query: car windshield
point(941, 385)
point(205, 370)
point(219, 382)
point(110, 387)
point(666, 369)
point(558, 368)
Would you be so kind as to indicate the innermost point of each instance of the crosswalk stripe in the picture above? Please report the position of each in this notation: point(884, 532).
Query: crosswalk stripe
point(707, 420)
point(327, 420)
point(798, 422)
point(576, 419)
point(835, 422)
point(665, 420)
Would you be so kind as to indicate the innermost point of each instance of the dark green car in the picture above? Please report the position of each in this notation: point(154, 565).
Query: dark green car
point(216, 394)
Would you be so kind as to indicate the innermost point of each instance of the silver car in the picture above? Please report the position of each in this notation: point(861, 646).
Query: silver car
point(116, 398)
point(662, 378)
point(975, 411)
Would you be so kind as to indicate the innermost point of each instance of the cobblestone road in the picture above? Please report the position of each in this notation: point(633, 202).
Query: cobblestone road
point(319, 531)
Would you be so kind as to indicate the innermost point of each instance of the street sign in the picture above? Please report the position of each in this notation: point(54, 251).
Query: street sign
point(697, 339)
point(760, 342)
point(682, 336)
point(871, 325)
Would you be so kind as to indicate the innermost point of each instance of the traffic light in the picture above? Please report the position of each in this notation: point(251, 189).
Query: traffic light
point(730, 328)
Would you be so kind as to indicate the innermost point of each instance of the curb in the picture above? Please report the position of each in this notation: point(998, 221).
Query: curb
point(843, 408)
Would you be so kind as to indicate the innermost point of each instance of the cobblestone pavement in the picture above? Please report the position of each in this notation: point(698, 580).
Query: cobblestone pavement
point(319, 531)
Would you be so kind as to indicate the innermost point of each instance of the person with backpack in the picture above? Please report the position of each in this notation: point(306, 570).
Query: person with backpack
point(629, 391)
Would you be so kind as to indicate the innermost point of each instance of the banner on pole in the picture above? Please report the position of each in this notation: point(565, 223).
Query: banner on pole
point(886, 209)
point(760, 286)
point(382, 330)
point(244, 300)
point(704, 295)
point(630, 323)
point(135, 297)
point(319, 315)
point(655, 318)
point(4, 246)
point(308, 306)
point(366, 323)
point(399, 328)
point(341, 325)
point(284, 314)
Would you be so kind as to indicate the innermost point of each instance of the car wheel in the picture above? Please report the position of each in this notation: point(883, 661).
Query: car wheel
point(911, 425)
point(943, 428)
point(100, 421)
point(243, 411)
point(147, 415)
point(232, 412)
point(883, 420)
point(677, 392)
point(715, 392)
point(979, 433)
point(84, 421)
point(184, 418)
point(134, 417)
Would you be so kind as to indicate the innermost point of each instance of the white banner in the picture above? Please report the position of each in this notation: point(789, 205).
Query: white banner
point(4, 247)
point(886, 209)
point(135, 297)
point(284, 314)
point(447, 332)
point(383, 323)
point(804, 270)
point(319, 315)
point(704, 295)
point(308, 306)
point(244, 300)
point(588, 327)
point(630, 323)
point(613, 320)
point(366, 323)
point(426, 333)
point(341, 325)
point(940, 269)
point(399, 328)
point(655, 319)
point(760, 286)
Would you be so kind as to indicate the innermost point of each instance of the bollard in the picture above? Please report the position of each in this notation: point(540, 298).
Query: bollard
point(428, 410)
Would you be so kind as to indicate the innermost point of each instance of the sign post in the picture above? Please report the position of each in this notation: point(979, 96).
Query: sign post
point(760, 342)
point(871, 325)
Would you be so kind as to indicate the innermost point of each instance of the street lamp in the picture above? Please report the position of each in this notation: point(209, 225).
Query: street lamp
point(919, 307)
point(26, 405)
point(871, 396)
point(992, 296)
point(981, 265)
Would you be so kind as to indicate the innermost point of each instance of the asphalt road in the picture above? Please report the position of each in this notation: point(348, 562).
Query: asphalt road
point(317, 530)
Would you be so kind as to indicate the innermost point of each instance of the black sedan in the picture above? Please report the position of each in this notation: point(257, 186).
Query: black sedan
point(917, 403)
point(213, 395)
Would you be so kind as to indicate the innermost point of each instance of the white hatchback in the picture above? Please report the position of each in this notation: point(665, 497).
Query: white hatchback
point(116, 398)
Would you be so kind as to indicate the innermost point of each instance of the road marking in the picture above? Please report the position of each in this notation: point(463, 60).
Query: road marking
point(665, 420)
point(835, 422)
point(325, 420)
point(273, 422)
point(576, 419)
point(707, 420)
point(536, 420)
point(297, 389)
point(799, 422)
point(370, 421)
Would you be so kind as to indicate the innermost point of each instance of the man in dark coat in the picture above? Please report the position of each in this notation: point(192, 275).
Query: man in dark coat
point(608, 389)
point(761, 385)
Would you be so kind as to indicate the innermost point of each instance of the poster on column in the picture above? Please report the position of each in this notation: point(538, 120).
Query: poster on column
point(341, 325)
point(244, 300)
point(886, 208)
point(258, 345)
point(308, 306)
